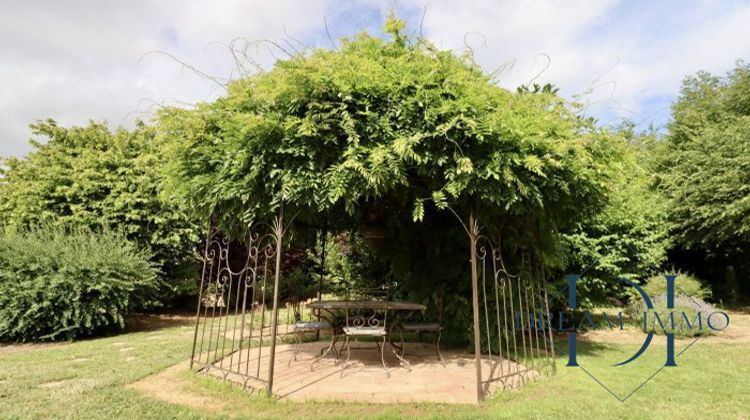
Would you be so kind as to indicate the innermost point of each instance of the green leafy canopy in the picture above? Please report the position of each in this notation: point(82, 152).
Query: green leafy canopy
point(376, 120)
point(629, 236)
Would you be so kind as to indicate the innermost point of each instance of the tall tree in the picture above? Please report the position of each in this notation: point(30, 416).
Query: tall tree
point(629, 237)
point(705, 171)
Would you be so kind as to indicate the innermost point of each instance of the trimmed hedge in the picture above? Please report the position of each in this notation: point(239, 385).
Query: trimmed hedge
point(60, 284)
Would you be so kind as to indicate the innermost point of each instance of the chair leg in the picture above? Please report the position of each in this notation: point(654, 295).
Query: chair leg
point(325, 351)
point(437, 347)
point(382, 357)
point(401, 336)
point(400, 354)
point(340, 351)
point(334, 339)
point(348, 355)
point(297, 343)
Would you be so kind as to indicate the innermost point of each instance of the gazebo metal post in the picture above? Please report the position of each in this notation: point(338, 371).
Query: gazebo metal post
point(324, 235)
point(278, 229)
point(473, 235)
point(200, 291)
point(545, 296)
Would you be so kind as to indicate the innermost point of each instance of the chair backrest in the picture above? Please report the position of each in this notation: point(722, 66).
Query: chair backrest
point(365, 317)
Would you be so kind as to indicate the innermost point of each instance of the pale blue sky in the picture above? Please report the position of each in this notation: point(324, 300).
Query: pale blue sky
point(80, 60)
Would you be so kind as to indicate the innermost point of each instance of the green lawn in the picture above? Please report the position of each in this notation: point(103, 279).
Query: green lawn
point(88, 379)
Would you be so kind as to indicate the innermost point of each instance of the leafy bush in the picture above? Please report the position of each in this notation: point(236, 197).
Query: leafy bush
point(685, 284)
point(383, 122)
point(60, 285)
point(689, 298)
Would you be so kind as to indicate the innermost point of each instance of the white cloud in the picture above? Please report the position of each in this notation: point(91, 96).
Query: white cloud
point(75, 61)
point(80, 60)
point(629, 53)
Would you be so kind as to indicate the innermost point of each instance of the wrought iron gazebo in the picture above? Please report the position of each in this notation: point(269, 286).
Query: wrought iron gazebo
point(369, 132)
point(234, 340)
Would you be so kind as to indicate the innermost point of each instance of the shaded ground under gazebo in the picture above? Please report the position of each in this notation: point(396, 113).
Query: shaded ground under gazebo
point(365, 380)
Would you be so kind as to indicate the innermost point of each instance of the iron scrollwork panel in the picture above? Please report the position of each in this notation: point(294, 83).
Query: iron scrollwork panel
point(232, 329)
point(516, 339)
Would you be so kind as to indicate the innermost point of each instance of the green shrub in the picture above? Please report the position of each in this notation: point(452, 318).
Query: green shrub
point(689, 299)
point(60, 285)
point(685, 284)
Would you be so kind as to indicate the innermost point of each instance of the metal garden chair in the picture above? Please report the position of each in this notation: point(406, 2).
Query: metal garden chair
point(302, 327)
point(306, 327)
point(365, 323)
point(424, 326)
